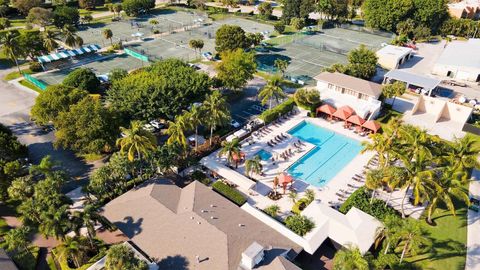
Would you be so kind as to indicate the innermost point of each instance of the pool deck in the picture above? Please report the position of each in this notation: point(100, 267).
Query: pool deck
point(327, 194)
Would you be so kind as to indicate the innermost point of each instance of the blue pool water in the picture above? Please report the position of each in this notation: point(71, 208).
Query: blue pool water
point(264, 155)
point(331, 154)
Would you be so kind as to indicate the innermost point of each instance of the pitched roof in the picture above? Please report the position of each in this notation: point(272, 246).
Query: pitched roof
point(350, 82)
point(174, 226)
point(281, 263)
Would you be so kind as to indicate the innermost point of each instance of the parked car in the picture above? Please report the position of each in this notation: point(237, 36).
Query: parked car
point(234, 124)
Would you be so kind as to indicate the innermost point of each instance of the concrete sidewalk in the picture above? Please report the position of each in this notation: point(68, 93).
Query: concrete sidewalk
point(473, 227)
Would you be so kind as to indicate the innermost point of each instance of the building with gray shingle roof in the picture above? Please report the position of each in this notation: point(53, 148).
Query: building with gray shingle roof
point(193, 227)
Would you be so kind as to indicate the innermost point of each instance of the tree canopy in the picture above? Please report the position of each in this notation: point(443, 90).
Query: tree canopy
point(136, 7)
point(63, 15)
point(236, 68)
point(162, 90)
point(230, 37)
point(10, 151)
point(54, 100)
point(87, 127)
point(362, 63)
point(83, 79)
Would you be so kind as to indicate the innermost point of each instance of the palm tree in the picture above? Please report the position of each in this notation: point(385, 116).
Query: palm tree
point(137, 142)
point(293, 195)
point(272, 210)
point(54, 222)
point(79, 41)
point(17, 238)
point(412, 237)
point(253, 165)
point(108, 34)
point(10, 46)
point(349, 258)
point(389, 231)
point(463, 154)
point(89, 218)
point(446, 184)
point(176, 131)
point(373, 181)
point(216, 111)
point(49, 41)
point(194, 119)
point(45, 167)
point(71, 39)
point(71, 248)
point(153, 22)
point(310, 195)
point(271, 91)
point(230, 150)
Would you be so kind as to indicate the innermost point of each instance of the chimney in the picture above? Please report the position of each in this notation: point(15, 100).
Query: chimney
point(252, 256)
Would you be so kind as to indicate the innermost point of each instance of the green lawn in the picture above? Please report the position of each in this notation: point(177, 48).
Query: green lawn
point(449, 238)
point(388, 115)
point(30, 85)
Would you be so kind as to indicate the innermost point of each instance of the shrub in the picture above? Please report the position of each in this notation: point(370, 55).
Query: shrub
point(279, 27)
point(82, 78)
point(272, 210)
point(230, 193)
point(117, 46)
point(272, 114)
point(201, 177)
point(136, 7)
point(35, 67)
point(308, 99)
point(300, 225)
point(300, 205)
point(297, 23)
point(156, 31)
point(361, 200)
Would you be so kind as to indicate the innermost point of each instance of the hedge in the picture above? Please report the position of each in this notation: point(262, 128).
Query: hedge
point(303, 202)
point(230, 193)
point(361, 200)
point(272, 114)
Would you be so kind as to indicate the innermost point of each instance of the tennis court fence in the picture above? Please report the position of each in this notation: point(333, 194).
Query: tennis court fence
point(365, 30)
point(321, 46)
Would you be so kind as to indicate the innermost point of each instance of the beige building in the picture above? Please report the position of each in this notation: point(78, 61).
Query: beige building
point(466, 9)
point(439, 117)
point(391, 57)
point(198, 227)
point(339, 89)
point(460, 60)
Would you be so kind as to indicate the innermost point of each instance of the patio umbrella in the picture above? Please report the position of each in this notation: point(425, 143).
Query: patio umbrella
point(372, 125)
point(344, 112)
point(356, 120)
point(285, 178)
point(326, 108)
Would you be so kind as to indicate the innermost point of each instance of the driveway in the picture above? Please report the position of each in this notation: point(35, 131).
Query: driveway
point(15, 107)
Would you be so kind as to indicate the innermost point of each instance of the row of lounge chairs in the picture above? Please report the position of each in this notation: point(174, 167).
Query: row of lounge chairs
point(278, 139)
point(263, 131)
point(284, 117)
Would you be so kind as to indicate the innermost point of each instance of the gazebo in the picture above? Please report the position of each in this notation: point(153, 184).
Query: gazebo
point(326, 109)
point(374, 126)
point(344, 112)
point(356, 120)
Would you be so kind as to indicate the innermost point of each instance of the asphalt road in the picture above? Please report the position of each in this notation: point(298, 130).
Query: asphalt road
point(15, 106)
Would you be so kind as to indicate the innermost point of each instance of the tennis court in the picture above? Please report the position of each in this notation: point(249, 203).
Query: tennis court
point(100, 66)
point(162, 48)
point(247, 25)
point(168, 21)
point(350, 37)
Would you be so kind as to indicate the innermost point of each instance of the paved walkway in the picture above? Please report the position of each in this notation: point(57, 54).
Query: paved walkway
point(473, 228)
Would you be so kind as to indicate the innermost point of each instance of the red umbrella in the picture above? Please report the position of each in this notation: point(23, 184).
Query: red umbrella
point(372, 125)
point(355, 119)
point(284, 178)
point(326, 108)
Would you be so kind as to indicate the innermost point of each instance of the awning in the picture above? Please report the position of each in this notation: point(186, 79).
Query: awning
point(68, 53)
point(327, 108)
point(372, 125)
point(355, 119)
point(344, 112)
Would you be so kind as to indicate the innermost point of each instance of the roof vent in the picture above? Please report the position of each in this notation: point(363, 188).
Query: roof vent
point(198, 222)
point(241, 225)
point(191, 217)
point(212, 217)
point(211, 205)
point(204, 211)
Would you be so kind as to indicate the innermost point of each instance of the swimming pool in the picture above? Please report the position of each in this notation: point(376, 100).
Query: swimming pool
point(264, 155)
point(331, 154)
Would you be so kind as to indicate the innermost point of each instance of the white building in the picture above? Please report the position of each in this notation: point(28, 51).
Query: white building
point(460, 60)
point(439, 117)
point(413, 81)
point(338, 89)
point(391, 57)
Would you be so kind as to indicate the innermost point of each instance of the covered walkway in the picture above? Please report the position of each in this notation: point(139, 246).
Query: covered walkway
point(413, 81)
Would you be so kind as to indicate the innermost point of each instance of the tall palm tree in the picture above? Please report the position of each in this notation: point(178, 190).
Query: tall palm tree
point(349, 258)
point(373, 181)
point(463, 154)
point(49, 41)
point(54, 222)
point(447, 183)
point(89, 218)
point(272, 90)
point(389, 231)
point(230, 150)
point(71, 248)
point(136, 142)
point(216, 111)
point(176, 131)
point(412, 237)
point(195, 118)
point(10, 46)
point(253, 165)
point(71, 39)
point(108, 34)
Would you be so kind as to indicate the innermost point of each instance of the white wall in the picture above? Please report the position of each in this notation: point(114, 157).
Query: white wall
point(459, 73)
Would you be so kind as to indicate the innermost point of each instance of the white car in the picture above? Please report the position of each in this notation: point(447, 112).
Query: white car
point(234, 124)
